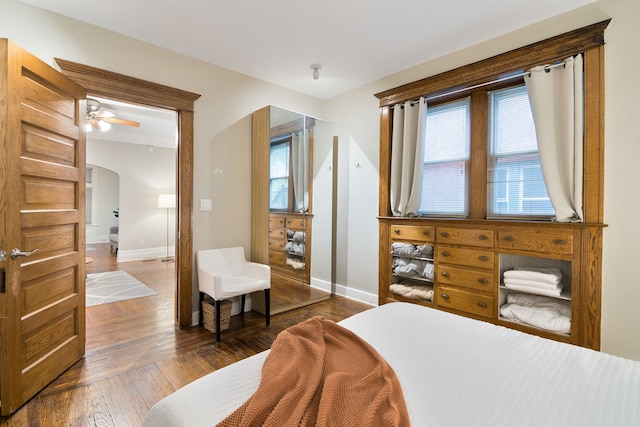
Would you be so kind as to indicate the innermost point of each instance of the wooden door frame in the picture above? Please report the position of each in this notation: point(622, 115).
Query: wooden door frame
point(119, 87)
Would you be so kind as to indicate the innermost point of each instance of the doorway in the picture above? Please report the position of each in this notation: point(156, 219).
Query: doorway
point(102, 83)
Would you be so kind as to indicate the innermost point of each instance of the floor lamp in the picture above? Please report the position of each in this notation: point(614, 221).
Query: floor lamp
point(167, 201)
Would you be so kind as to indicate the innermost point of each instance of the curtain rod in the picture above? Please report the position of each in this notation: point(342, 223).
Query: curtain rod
point(503, 79)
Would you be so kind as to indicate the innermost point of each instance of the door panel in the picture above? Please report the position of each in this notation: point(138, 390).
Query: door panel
point(42, 312)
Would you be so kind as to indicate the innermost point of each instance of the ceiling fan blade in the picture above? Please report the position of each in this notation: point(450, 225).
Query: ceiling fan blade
point(120, 121)
point(94, 123)
point(102, 113)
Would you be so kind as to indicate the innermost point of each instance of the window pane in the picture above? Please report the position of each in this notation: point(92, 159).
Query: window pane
point(279, 177)
point(446, 157)
point(515, 183)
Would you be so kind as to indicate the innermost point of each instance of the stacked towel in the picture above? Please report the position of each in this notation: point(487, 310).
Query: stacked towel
point(539, 311)
point(423, 292)
point(536, 280)
point(295, 248)
point(413, 268)
point(412, 251)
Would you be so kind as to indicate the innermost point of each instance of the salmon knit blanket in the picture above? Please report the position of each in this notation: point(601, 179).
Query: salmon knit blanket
point(321, 374)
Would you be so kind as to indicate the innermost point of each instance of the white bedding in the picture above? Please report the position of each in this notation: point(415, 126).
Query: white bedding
point(454, 371)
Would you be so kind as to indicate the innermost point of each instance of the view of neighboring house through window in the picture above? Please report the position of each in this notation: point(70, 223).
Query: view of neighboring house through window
point(446, 159)
point(279, 176)
point(515, 185)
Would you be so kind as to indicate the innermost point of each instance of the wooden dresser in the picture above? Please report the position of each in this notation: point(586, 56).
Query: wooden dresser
point(470, 257)
point(290, 246)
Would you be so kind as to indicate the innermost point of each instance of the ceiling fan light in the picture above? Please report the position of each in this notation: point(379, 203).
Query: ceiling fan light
point(88, 127)
point(104, 126)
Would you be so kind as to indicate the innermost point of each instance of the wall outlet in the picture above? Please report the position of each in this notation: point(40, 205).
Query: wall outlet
point(205, 204)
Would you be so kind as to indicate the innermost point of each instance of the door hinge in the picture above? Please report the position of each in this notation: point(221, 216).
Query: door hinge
point(3, 255)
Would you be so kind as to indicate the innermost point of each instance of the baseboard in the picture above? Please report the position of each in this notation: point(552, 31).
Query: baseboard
point(344, 291)
point(144, 254)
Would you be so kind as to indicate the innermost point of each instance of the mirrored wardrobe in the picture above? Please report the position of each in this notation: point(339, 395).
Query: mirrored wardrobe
point(292, 206)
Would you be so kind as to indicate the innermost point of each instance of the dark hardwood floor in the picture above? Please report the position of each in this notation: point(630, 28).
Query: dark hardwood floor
point(135, 356)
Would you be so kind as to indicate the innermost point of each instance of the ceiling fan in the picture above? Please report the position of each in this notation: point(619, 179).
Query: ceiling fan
point(99, 118)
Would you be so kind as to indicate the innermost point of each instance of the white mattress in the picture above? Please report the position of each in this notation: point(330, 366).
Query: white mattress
point(454, 371)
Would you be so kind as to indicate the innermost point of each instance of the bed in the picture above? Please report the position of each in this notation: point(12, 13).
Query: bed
point(454, 371)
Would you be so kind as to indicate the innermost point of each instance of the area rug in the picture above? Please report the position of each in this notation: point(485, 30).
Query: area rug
point(112, 286)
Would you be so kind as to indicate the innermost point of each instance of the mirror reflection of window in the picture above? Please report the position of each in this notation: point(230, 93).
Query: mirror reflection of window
point(279, 176)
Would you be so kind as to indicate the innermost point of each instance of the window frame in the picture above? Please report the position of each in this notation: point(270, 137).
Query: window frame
point(587, 40)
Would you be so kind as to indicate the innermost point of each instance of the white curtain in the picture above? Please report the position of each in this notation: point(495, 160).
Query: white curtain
point(299, 159)
point(407, 157)
point(556, 97)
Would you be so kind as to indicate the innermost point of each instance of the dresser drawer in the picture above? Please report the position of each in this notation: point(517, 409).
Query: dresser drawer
point(480, 280)
point(277, 258)
point(466, 257)
point(295, 223)
point(411, 232)
point(536, 241)
point(276, 222)
point(276, 244)
point(277, 233)
point(465, 236)
point(469, 302)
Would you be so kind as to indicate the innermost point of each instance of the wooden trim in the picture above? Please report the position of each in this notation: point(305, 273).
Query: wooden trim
point(260, 182)
point(102, 83)
point(546, 51)
point(384, 208)
point(593, 167)
point(478, 167)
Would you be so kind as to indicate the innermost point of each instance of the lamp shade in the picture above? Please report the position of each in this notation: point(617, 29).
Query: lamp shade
point(166, 201)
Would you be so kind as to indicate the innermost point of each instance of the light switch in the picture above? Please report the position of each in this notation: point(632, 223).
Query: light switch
point(205, 204)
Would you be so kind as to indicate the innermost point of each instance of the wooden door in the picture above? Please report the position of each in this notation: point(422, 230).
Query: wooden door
point(42, 190)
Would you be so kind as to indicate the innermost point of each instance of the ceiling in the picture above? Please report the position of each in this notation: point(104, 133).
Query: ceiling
point(158, 128)
point(356, 42)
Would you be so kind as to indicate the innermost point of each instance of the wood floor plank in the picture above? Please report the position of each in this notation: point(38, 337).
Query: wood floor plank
point(135, 356)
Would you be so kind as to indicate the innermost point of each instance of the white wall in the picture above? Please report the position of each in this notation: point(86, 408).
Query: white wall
point(143, 175)
point(223, 137)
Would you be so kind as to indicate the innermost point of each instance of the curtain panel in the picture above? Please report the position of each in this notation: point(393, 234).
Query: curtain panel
point(556, 97)
point(407, 157)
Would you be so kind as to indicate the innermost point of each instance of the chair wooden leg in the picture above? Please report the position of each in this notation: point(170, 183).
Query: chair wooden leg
point(218, 320)
point(242, 305)
point(267, 303)
point(201, 318)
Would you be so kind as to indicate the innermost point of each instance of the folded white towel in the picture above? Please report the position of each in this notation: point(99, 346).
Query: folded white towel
point(533, 283)
point(528, 300)
point(549, 276)
point(536, 290)
point(539, 311)
point(412, 291)
point(403, 249)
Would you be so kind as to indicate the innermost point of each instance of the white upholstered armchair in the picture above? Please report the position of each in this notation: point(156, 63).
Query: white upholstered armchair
point(224, 273)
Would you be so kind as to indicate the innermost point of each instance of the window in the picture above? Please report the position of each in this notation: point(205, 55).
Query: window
point(279, 176)
point(515, 186)
point(446, 159)
point(514, 189)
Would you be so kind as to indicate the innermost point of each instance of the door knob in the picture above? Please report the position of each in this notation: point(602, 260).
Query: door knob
point(16, 253)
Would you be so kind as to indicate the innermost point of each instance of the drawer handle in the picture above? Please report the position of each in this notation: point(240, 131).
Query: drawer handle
point(397, 231)
point(483, 280)
point(445, 274)
point(444, 234)
point(559, 242)
point(445, 253)
point(482, 304)
point(483, 258)
point(426, 232)
point(445, 296)
point(509, 238)
point(483, 237)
